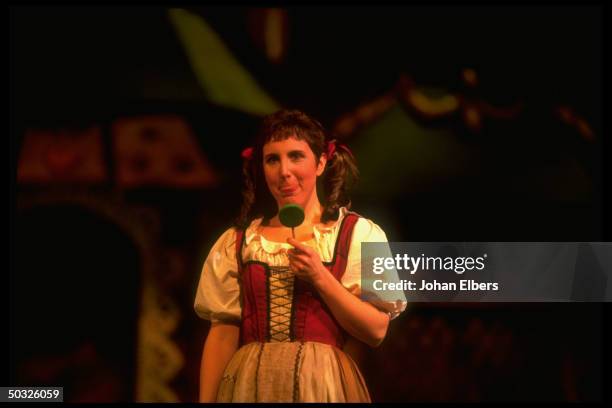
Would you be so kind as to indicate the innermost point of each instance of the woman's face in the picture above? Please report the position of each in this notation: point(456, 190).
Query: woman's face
point(291, 171)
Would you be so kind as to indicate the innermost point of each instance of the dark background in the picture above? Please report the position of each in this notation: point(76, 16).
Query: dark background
point(72, 67)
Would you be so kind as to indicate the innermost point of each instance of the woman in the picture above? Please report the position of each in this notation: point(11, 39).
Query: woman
point(282, 308)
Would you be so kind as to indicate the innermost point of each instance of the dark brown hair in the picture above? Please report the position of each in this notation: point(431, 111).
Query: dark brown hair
point(334, 184)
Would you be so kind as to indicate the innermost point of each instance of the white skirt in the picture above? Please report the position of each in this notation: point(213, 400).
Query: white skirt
point(292, 372)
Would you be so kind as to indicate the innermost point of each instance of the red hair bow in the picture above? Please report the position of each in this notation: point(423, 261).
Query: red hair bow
point(247, 153)
point(331, 149)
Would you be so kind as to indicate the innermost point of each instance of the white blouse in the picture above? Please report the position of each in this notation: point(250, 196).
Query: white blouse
point(218, 292)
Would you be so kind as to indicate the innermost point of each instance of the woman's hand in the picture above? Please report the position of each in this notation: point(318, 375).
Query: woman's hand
point(306, 263)
point(360, 319)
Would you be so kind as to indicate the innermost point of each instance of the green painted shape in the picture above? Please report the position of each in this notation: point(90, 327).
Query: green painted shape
point(396, 154)
point(225, 81)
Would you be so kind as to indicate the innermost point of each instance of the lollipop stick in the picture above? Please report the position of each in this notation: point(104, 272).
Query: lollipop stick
point(293, 232)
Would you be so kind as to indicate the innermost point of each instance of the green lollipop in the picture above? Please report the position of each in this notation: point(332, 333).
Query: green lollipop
point(291, 215)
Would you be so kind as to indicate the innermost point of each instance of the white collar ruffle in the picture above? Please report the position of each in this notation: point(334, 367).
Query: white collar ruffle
point(323, 235)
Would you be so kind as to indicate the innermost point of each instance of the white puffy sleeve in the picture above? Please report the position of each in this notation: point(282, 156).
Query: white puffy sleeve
point(218, 294)
point(393, 302)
